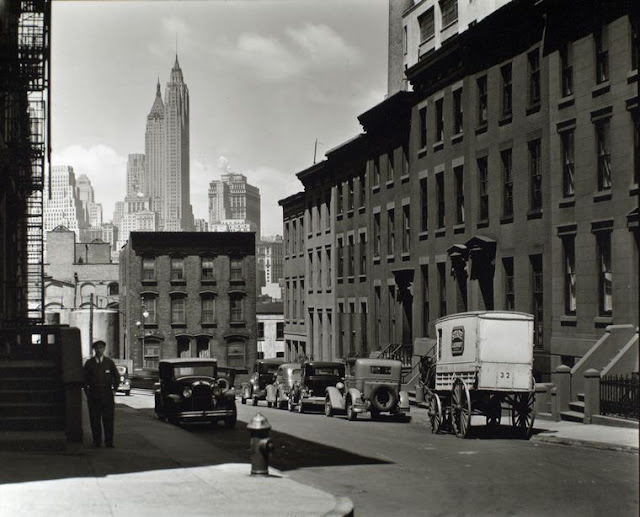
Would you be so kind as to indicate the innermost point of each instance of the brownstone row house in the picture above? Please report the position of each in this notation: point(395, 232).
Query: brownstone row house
point(188, 294)
point(500, 172)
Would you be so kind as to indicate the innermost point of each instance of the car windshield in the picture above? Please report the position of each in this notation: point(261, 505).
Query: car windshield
point(327, 370)
point(205, 370)
point(268, 368)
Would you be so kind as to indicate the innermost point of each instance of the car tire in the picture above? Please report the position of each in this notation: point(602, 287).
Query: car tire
point(383, 399)
point(254, 401)
point(276, 402)
point(351, 414)
point(269, 404)
point(328, 408)
point(230, 421)
point(243, 400)
point(300, 407)
point(127, 393)
point(291, 406)
point(375, 415)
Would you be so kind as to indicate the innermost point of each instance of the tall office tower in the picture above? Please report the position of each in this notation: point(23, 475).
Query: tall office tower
point(136, 175)
point(62, 206)
point(155, 155)
point(177, 212)
point(92, 211)
point(218, 202)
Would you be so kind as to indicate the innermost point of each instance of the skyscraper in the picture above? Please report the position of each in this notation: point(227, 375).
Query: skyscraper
point(154, 155)
point(177, 211)
point(234, 203)
point(136, 175)
point(63, 206)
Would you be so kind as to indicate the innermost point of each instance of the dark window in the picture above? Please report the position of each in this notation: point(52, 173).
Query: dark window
point(339, 198)
point(151, 356)
point(350, 253)
point(328, 268)
point(178, 313)
point(601, 45)
point(568, 170)
point(279, 330)
point(440, 198)
point(636, 148)
point(535, 262)
point(449, 10)
point(605, 274)
point(112, 289)
point(457, 111)
point(363, 189)
point(391, 232)
point(406, 229)
point(439, 120)
point(482, 100)
point(604, 156)
point(425, 300)
point(509, 294)
point(149, 304)
point(483, 188)
point(311, 270)
point(236, 304)
point(458, 173)
point(177, 269)
point(378, 308)
point(340, 257)
point(635, 44)
point(569, 251)
point(424, 205)
point(376, 172)
point(442, 288)
point(391, 308)
point(534, 77)
point(376, 234)
point(363, 254)
point(423, 127)
point(236, 269)
point(148, 268)
point(405, 160)
point(260, 330)
point(208, 312)
point(507, 183)
point(566, 68)
point(427, 27)
point(391, 165)
point(350, 202)
point(207, 271)
point(507, 90)
point(535, 174)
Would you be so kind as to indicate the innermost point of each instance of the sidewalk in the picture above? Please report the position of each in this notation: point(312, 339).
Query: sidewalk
point(150, 473)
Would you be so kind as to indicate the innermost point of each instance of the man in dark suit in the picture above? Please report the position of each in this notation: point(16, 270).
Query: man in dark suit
point(100, 383)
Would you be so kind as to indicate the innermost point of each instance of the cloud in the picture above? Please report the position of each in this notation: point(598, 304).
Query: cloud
point(106, 169)
point(300, 51)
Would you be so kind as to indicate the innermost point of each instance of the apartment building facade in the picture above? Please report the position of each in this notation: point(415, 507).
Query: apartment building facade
point(188, 294)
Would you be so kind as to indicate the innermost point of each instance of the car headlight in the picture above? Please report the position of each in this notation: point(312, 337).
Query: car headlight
point(186, 393)
point(122, 378)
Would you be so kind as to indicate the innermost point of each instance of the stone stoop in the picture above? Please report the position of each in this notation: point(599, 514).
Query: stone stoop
point(576, 410)
point(32, 405)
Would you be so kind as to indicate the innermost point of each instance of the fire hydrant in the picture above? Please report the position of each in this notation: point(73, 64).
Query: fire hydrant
point(261, 445)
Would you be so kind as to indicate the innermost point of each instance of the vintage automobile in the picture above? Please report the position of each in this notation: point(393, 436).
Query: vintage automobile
point(264, 373)
point(371, 385)
point(195, 390)
point(278, 392)
point(124, 385)
point(316, 377)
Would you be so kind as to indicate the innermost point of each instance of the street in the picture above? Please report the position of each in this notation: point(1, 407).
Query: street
point(395, 468)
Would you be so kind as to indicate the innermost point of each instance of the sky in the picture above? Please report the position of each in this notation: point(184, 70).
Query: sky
point(266, 78)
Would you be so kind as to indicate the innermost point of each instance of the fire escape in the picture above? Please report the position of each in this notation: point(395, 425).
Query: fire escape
point(31, 73)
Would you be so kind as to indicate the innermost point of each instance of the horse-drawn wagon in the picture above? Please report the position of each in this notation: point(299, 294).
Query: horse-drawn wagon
point(482, 362)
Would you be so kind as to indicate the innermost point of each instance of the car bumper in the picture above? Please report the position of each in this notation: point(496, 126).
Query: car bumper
point(124, 387)
point(204, 415)
point(318, 401)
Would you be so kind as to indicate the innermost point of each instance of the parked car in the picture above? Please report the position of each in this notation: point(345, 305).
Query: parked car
point(264, 373)
point(124, 385)
point(316, 377)
point(278, 392)
point(371, 385)
point(195, 390)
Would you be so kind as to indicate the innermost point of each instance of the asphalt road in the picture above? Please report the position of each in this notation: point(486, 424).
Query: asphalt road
point(392, 468)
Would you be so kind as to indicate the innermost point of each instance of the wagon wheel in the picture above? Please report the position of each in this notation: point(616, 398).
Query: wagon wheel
point(435, 412)
point(460, 408)
point(494, 413)
point(523, 413)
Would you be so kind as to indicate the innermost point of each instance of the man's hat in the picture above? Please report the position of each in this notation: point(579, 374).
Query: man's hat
point(99, 343)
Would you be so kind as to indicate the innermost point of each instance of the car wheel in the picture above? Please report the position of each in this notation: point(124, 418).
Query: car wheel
point(375, 415)
point(230, 421)
point(243, 400)
point(300, 407)
point(290, 405)
point(127, 393)
point(351, 414)
point(276, 403)
point(269, 404)
point(255, 401)
point(328, 408)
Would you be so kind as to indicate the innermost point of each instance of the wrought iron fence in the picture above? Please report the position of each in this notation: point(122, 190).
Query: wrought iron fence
point(619, 396)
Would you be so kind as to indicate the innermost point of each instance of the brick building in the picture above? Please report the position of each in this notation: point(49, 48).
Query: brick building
point(188, 294)
point(502, 180)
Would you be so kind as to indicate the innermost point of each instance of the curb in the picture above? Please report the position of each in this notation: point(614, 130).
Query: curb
point(558, 440)
point(343, 508)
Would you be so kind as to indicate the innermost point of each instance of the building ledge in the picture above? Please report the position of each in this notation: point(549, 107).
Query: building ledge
point(602, 196)
point(533, 108)
point(506, 119)
point(568, 320)
point(567, 202)
point(601, 89)
point(565, 102)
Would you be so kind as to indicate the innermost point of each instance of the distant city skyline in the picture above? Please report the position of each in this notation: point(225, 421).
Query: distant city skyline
point(265, 79)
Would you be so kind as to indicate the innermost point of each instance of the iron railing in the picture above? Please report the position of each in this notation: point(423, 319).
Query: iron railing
point(619, 396)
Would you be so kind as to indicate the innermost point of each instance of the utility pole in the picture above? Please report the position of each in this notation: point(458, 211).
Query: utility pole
point(315, 150)
point(90, 321)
